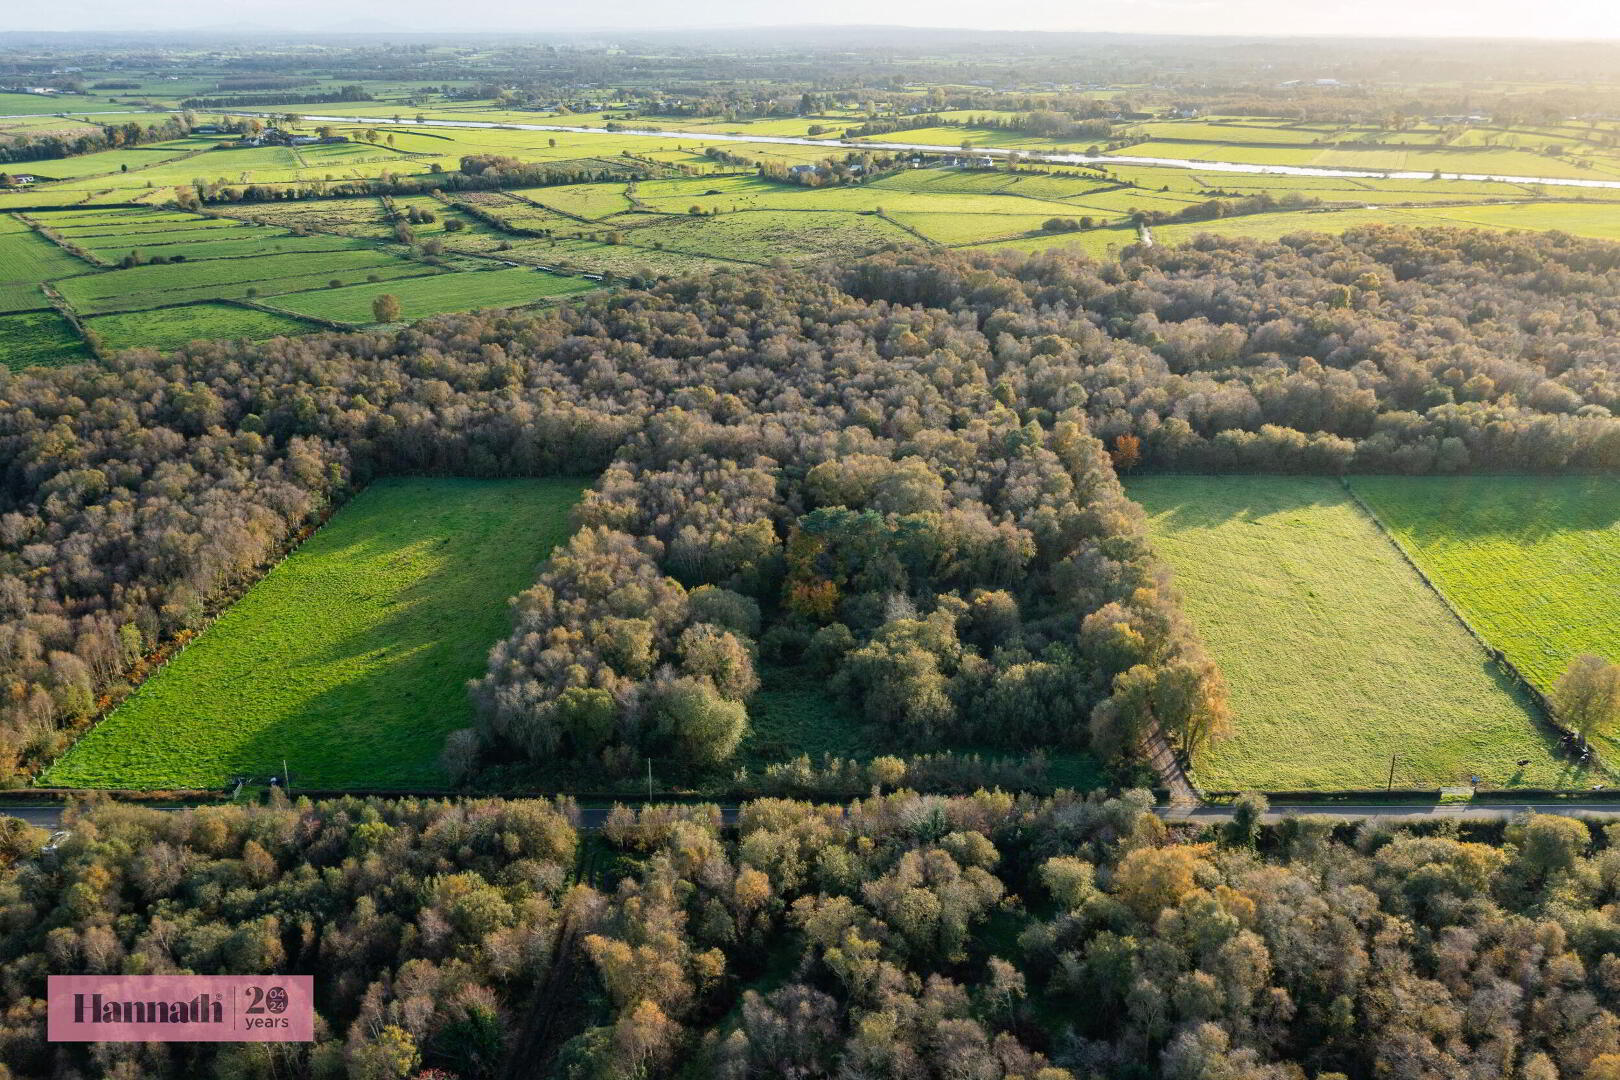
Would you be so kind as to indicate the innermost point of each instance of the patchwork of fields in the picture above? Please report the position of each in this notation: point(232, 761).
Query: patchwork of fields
point(1338, 657)
point(146, 277)
point(350, 658)
point(646, 205)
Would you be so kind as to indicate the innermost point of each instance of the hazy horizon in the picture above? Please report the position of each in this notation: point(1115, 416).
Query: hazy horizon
point(1582, 19)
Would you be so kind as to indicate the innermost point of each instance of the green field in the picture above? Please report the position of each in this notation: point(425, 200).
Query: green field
point(421, 297)
point(115, 289)
point(1532, 561)
point(170, 328)
point(1337, 655)
point(21, 296)
point(350, 658)
point(634, 215)
point(38, 337)
point(27, 256)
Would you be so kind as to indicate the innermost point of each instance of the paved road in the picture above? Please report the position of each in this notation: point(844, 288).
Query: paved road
point(1400, 812)
point(49, 817)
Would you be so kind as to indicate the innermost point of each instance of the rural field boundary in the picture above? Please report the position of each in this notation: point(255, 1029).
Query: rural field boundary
point(318, 320)
point(1543, 708)
point(81, 253)
point(65, 309)
point(884, 216)
point(160, 657)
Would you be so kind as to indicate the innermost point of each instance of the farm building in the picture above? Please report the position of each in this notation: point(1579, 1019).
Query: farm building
point(272, 136)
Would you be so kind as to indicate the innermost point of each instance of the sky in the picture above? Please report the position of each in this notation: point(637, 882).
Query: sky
point(1363, 18)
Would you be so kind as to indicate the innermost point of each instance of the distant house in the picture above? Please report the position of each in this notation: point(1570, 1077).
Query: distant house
point(24, 178)
point(274, 136)
point(802, 170)
point(205, 129)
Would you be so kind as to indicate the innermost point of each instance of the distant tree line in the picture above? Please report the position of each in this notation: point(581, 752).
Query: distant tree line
point(351, 92)
point(481, 172)
point(21, 146)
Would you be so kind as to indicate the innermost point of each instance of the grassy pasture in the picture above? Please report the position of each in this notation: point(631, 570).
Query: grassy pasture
point(38, 337)
point(27, 256)
point(421, 297)
point(41, 104)
point(159, 231)
point(762, 235)
point(261, 288)
point(365, 216)
point(116, 289)
point(757, 220)
point(350, 659)
point(21, 296)
point(1094, 242)
point(121, 162)
point(947, 228)
point(581, 200)
point(1584, 218)
point(172, 327)
point(1532, 561)
point(1336, 653)
point(1271, 226)
point(593, 256)
point(247, 242)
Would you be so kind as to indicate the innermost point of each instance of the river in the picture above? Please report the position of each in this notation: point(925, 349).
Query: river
point(932, 148)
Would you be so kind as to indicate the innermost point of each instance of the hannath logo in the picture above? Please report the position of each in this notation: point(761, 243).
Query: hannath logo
point(202, 1009)
point(180, 1008)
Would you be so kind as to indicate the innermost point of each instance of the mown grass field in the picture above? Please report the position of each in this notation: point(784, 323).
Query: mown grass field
point(27, 256)
point(1533, 562)
point(1337, 655)
point(350, 658)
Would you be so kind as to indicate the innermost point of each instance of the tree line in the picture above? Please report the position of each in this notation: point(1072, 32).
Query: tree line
point(22, 146)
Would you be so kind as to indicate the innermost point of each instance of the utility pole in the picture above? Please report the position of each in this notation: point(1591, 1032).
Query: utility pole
point(286, 777)
point(649, 779)
point(1391, 786)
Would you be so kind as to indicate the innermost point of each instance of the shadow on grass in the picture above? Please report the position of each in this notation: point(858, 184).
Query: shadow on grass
point(1522, 508)
point(402, 678)
point(1181, 502)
